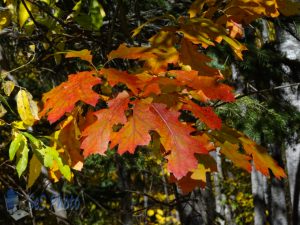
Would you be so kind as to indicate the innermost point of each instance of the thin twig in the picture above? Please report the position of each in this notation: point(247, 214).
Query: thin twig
point(13, 70)
point(238, 96)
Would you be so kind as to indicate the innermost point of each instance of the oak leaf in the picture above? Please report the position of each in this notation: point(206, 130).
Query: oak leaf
point(189, 55)
point(63, 98)
point(83, 54)
point(205, 114)
point(136, 131)
point(116, 76)
point(231, 151)
point(124, 52)
point(98, 134)
point(207, 86)
point(176, 139)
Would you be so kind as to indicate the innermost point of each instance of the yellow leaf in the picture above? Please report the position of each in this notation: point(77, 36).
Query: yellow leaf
point(200, 173)
point(5, 18)
point(2, 122)
point(8, 87)
point(23, 14)
point(83, 54)
point(27, 108)
point(19, 125)
point(34, 171)
point(2, 110)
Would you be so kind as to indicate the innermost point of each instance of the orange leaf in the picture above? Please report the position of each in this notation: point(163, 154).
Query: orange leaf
point(136, 130)
point(208, 86)
point(63, 98)
point(262, 160)
point(186, 183)
point(164, 57)
point(83, 54)
point(231, 151)
point(125, 52)
point(189, 55)
point(68, 138)
point(201, 31)
point(175, 137)
point(205, 114)
point(98, 134)
point(196, 177)
point(116, 76)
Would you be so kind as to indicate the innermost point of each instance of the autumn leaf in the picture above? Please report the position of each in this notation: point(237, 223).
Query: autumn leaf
point(35, 168)
point(208, 87)
point(63, 98)
point(158, 85)
point(124, 52)
point(189, 55)
point(205, 114)
point(67, 141)
point(231, 151)
point(163, 57)
point(83, 54)
point(116, 76)
point(27, 107)
point(186, 183)
point(176, 139)
point(23, 14)
point(202, 31)
point(98, 134)
point(242, 11)
point(262, 160)
point(136, 130)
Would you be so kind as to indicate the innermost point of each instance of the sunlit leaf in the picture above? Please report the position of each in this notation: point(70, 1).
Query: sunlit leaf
point(35, 168)
point(63, 98)
point(27, 107)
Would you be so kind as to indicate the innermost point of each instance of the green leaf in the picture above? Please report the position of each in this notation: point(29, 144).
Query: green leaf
point(4, 101)
point(93, 20)
point(48, 155)
point(22, 158)
point(97, 14)
point(15, 145)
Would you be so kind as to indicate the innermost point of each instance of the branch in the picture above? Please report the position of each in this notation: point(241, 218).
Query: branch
point(238, 96)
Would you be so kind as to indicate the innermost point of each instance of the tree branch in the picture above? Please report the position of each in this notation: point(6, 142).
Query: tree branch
point(238, 96)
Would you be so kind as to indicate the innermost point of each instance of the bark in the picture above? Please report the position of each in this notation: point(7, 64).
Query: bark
point(278, 204)
point(293, 166)
point(222, 209)
point(290, 45)
point(258, 182)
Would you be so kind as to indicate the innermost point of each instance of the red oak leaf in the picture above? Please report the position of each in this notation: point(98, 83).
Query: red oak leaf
point(207, 86)
point(136, 131)
point(116, 76)
point(98, 134)
point(175, 137)
point(262, 160)
point(125, 52)
point(83, 54)
point(189, 55)
point(231, 151)
point(205, 114)
point(63, 98)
